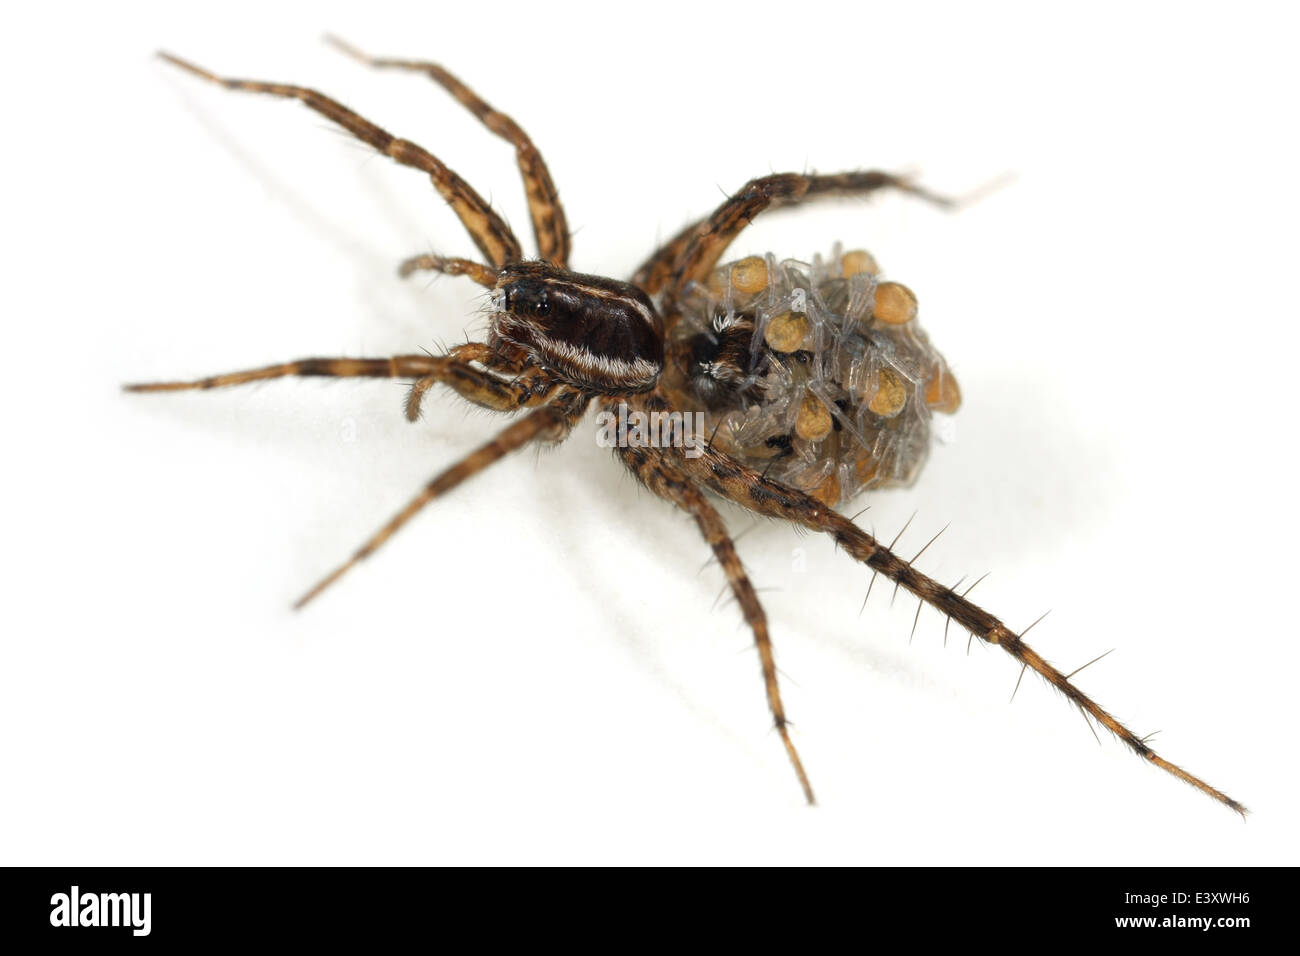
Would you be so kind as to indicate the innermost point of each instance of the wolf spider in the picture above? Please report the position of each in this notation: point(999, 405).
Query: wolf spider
point(560, 341)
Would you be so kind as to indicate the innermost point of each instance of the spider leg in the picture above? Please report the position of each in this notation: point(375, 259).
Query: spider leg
point(549, 423)
point(480, 386)
point(399, 366)
point(530, 388)
point(654, 470)
point(736, 482)
point(550, 225)
point(452, 267)
point(692, 253)
point(488, 230)
point(654, 273)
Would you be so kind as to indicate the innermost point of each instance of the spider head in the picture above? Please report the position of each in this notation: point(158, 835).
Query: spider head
point(599, 334)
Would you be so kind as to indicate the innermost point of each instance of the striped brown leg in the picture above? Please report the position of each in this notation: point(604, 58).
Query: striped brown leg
point(528, 389)
point(655, 272)
point(453, 267)
point(693, 252)
point(488, 230)
point(657, 473)
point(736, 482)
point(550, 225)
point(548, 423)
point(481, 386)
point(399, 366)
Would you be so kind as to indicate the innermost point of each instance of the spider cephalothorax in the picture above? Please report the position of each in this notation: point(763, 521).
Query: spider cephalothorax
point(597, 334)
point(814, 379)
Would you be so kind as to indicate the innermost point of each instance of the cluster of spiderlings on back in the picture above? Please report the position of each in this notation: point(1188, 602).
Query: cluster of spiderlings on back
point(817, 374)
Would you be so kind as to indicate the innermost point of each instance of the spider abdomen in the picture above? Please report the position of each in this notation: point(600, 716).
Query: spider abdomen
point(817, 373)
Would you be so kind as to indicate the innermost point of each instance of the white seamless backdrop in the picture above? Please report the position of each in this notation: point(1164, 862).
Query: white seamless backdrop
point(535, 670)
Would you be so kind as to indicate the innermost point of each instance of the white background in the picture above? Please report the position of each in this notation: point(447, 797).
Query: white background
point(532, 671)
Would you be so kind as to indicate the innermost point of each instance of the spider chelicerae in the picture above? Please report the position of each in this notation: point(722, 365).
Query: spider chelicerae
point(787, 387)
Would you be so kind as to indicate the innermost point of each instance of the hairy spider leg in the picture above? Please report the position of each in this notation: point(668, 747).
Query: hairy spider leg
point(454, 369)
point(657, 472)
point(448, 266)
point(488, 230)
point(734, 481)
point(399, 366)
point(692, 253)
point(550, 423)
point(550, 225)
point(526, 386)
point(528, 389)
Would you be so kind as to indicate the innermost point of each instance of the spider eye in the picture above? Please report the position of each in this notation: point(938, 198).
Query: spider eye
point(527, 298)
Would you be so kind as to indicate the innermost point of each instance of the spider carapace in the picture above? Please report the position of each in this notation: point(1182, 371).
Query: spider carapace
point(813, 380)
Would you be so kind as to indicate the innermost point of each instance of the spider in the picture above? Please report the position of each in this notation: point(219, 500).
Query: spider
point(814, 382)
